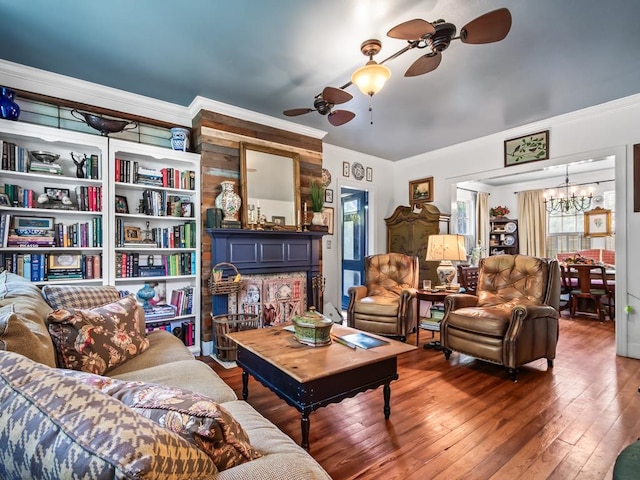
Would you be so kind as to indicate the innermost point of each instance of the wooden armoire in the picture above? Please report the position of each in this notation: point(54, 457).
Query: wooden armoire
point(408, 230)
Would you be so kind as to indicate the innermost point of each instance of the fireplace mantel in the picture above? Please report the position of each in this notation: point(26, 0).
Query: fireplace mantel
point(255, 252)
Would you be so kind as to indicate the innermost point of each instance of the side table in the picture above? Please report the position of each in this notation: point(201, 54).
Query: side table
point(427, 296)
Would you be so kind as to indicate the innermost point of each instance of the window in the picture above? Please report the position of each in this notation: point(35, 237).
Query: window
point(466, 217)
point(565, 230)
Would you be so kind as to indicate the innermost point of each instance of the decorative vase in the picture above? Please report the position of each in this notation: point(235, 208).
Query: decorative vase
point(317, 219)
point(180, 139)
point(145, 294)
point(9, 109)
point(229, 201)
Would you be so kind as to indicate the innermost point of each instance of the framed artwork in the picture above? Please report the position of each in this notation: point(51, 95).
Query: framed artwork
point(327, 213)
point(4, 200)
point(421, 191)
point(345, 169)
point(525, 149)
point(39, 223)
point(64, 262)
point(597, 222)
point(56, 193)
point(328, 195)
point(277, 220)
point(369, 174)
point(132, 234)
point(121, 204)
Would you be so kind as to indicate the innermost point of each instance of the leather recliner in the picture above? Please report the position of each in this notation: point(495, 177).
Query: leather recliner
point(386, 304)
point(513, 318)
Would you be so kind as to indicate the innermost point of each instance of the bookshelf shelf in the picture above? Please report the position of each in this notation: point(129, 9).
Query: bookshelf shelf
point(98, 191)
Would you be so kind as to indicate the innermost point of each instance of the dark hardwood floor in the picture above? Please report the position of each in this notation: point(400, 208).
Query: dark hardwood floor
point(465, 419)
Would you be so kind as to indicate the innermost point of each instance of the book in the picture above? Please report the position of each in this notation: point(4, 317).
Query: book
point(363, 340)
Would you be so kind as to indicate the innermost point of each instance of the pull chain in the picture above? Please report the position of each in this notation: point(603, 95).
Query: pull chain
point(371, 108)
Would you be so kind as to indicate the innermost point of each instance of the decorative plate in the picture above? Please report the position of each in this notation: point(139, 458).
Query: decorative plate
point(358, 170)
point(509, 240)
point(326, 177)
point(598, 200)
point(510, 227)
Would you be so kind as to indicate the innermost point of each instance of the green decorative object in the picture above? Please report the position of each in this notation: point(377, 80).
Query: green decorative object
point(312, 328)
point(317, 196)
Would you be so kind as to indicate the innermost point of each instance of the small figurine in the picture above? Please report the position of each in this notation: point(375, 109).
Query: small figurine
point(79, 165)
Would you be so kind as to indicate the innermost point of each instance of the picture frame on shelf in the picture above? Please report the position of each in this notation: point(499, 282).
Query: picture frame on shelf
point(346, 169)
point(328, 195)
point(526, 149)
point(55, 193)
point(132, 234)
point(64, 262)
point(327, 214)
point(121, 204)
point(597, 222)
point(278, 220)
point(369, 176)
point(4, 200)
point(40, 223)
point(421, 191)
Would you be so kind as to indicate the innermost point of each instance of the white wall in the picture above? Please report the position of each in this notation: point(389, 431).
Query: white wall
point(607, 129)
point(381, 205)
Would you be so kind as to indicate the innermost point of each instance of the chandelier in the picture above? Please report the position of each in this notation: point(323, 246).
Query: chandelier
point(565, 199)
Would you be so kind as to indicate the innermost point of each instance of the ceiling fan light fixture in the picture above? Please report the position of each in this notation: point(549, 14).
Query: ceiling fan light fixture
point(371, 78)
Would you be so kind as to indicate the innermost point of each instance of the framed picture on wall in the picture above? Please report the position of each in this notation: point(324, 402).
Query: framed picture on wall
point(327, 213)
point(597, 222)
point(525, 149)
point(328, 195)
point(421, 191)
point(346, 168)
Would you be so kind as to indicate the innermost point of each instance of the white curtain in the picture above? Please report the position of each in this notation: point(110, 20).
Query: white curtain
point(532, 223)
point(483, 221)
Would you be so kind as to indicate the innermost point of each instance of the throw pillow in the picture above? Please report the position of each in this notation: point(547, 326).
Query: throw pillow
point(195, 417)
point(62, 296)
point(100, 339)
point(53, 426)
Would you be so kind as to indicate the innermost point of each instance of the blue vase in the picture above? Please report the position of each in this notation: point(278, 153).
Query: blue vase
point(145, 294)
point(9, 109)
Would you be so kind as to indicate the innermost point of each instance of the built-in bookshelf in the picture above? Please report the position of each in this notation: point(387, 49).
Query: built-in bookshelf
point(154, 222)
point(52, 213)
point(104, 211)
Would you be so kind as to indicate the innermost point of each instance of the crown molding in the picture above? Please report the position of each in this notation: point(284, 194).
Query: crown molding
point(22, 77)
point(203, 103)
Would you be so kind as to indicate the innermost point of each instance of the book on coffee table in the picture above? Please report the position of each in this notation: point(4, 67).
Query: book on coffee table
point(363, 340)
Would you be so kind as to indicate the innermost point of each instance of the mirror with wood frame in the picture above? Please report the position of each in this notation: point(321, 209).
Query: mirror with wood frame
point(270, 179)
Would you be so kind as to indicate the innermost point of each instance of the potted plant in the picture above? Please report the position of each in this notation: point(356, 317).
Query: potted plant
point(317, 202)
point(499, 212)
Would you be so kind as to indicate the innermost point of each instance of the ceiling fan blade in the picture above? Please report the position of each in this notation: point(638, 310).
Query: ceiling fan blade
point(340, 117)
point(294, 112)
point(336, 95)
point(424, 64)
point(412, 30)
point(488, 28)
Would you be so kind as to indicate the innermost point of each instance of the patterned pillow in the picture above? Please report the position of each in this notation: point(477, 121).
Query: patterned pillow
point(52, 426)
point(62, 296)
point(100, 339)
point(195, 417)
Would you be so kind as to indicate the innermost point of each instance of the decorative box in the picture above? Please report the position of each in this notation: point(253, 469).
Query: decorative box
point(312, 328)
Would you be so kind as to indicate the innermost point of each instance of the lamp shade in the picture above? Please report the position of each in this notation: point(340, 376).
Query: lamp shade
point(446, 247)
point(371, 78)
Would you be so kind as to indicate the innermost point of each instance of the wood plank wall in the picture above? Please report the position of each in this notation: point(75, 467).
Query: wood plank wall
point(217, 138)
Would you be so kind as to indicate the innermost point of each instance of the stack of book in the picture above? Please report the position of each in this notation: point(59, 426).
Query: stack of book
point(45, 167)
point(147, 176)
point(159, 312)
point(14, 240)
point(182, 299)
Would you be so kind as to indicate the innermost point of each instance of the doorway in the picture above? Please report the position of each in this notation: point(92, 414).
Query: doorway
point(354, 208)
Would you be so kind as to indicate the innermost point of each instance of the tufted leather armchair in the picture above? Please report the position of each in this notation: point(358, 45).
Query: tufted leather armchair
point(386, 304)
point(512, 319)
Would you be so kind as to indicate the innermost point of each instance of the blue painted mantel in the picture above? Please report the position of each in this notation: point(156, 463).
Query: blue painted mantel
point(256, 252)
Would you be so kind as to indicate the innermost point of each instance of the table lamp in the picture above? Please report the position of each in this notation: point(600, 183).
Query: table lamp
point(446, 248)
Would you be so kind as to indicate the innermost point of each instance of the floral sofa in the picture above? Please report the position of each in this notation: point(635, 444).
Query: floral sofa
point(145, 410)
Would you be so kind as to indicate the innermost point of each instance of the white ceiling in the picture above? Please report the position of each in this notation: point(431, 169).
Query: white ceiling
point(269, 56)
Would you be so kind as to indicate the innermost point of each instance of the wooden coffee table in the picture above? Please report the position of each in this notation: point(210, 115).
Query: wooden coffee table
point(308, 378)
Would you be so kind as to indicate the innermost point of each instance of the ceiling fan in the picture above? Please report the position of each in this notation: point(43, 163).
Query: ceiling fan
point(437, 36)
point(324, 103)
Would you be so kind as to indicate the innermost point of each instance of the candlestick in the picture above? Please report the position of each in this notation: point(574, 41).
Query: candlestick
point(304, 220)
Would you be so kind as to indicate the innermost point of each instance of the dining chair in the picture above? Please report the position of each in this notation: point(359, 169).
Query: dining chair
point(591, 284)
point(468, 278)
